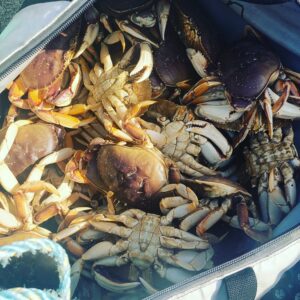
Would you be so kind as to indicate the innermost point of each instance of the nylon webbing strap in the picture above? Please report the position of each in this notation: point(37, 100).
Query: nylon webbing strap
point(241, 285)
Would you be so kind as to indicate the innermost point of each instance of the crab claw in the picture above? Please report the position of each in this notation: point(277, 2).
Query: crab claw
point(105, 282)
point(198, 61)
point(210, 132)
point(144, 67)
point(91, 18)
point(163, 10)
point(126, 27)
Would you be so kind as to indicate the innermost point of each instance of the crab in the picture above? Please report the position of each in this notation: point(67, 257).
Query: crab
point(19, 219)
point(133, 173)
point(252, 80)
point(146, 243)
point(218, 196)
point(40, 86)
point(270, 164)
point(185, 139)
point(198, 35)
point(112, 89)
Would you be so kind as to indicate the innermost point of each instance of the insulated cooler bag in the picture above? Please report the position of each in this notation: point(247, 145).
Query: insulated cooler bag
point(248, 276)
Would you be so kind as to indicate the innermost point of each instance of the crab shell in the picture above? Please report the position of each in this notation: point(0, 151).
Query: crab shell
point(247, 69)
point(47, 68)
point(124, 7)
point(47, 138)
point(171, 62)
point(134, 174)
point(45, 72)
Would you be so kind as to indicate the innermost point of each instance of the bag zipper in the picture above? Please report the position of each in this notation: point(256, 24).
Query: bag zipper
point(64, 21)
point(229, 267)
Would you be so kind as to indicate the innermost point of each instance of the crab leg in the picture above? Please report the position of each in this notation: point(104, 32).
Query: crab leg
point(174, 275)
point(76, 270)
point(134, 213)
point(37, 171)
point(187, 259)
point(172, 243)
point(289, 184)
point(269, 114)
point(243, 217)
point(170, 231)
point(108, 124)
point(105, 249)
point(112, 228)
point(213, 217)
point(7, 178)
point(23, 208)
point(194, 218)
point(209, 151)
point(65, 190)
point(60, 118)
point(126, 220)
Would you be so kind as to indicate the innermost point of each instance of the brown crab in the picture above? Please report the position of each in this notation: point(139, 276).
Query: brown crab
point(39, 87)
point(17, 215)
point(133, 173)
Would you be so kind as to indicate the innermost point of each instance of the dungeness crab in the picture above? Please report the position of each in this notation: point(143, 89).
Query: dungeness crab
point(271, 162)
point(133, 173)
point(148, 244)
point(196, 146)
point(39, 87)
point(111, 88)
point(252, 80)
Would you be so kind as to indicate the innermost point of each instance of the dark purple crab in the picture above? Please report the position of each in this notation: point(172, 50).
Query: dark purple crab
point(250, 74)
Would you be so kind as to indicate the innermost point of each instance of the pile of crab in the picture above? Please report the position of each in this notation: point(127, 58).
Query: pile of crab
point(140, 145)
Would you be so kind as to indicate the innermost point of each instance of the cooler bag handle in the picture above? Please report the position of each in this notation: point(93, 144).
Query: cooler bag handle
point(241, 285)
point(45, 247)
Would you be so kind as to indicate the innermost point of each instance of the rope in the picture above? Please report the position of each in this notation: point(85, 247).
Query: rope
point(44, 246)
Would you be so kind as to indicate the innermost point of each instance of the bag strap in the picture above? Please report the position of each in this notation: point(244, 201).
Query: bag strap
point(241, 285)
